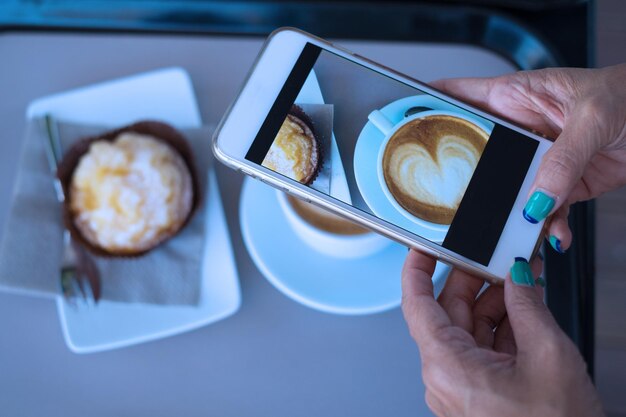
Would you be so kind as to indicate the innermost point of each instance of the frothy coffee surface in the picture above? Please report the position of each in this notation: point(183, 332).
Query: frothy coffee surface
point(428, 163)
point(324, 219)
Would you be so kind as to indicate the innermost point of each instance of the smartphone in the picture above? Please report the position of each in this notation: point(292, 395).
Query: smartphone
point(385, 151)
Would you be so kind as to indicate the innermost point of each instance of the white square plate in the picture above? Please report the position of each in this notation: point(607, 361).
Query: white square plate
point(167, 95)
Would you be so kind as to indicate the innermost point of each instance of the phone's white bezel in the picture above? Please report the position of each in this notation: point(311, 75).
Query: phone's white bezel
point(233, 139)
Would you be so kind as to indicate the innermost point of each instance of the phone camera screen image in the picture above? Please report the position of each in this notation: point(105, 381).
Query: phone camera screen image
point(391, 150)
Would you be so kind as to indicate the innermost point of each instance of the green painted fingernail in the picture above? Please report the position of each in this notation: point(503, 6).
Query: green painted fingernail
point(521, 274)
point(538, 207)
point(555, 242)
point(541, 282)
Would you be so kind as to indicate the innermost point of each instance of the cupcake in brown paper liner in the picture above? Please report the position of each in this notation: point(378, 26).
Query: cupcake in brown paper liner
point(296, 151)
point(128, 190)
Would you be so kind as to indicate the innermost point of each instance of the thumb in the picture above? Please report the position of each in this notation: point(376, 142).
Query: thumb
point(532, 323)
point(563, 164)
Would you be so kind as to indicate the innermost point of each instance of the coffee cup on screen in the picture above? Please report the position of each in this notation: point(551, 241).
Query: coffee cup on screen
point(425, 163)
point(328, 233)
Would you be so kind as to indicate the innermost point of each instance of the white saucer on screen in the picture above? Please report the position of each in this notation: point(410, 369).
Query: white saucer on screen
point(167, 95)
point(330, 284)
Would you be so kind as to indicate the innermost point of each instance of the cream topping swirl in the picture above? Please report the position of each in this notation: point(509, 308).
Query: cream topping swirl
point(128, 193)
point(293, 152)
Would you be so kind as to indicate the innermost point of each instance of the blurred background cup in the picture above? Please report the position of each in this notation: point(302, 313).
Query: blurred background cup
point(328, 233)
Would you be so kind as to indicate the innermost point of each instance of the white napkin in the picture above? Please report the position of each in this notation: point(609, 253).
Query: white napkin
point(322, 117)
point(31, 248)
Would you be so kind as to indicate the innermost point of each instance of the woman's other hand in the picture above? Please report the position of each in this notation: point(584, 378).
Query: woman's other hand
point(499, 353)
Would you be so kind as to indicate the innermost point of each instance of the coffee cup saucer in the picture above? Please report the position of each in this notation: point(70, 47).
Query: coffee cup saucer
point(366, 155)
point(350, 286)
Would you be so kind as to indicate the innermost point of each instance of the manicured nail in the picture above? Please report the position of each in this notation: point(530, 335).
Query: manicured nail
point(521, 274)
point(555, 242)
point(538, 207)
point(541, 282)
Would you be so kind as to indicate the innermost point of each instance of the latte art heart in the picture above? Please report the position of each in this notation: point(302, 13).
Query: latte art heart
point(440, 181)
point(429, 162)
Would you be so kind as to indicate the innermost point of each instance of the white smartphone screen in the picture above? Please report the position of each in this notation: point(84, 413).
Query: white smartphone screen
point(389, 149)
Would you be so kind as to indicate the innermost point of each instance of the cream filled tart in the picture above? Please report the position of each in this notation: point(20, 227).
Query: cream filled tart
point(296, 151)
point(128, 190)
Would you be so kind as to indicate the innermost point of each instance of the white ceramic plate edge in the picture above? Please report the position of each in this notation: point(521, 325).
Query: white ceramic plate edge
point(65, 102)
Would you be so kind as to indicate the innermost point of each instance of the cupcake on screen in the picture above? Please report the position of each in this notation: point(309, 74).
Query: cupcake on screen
point(296, 151)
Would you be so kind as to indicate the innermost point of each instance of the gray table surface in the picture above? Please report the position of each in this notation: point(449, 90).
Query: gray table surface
point(274, 357)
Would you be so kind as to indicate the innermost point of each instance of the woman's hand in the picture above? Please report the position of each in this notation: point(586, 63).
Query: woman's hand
point(501, 354)
point(585, 109)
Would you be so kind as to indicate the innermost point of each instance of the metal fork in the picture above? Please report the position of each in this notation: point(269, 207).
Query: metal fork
point(79, 277)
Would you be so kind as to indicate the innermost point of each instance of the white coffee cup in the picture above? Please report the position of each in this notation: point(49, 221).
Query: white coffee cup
point(388, 128)
point(333, 244)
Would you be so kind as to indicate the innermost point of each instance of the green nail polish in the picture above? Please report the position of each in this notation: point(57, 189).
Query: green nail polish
point(541, 282)
point(538, 207)
point(555, 242)
point(521, 274)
